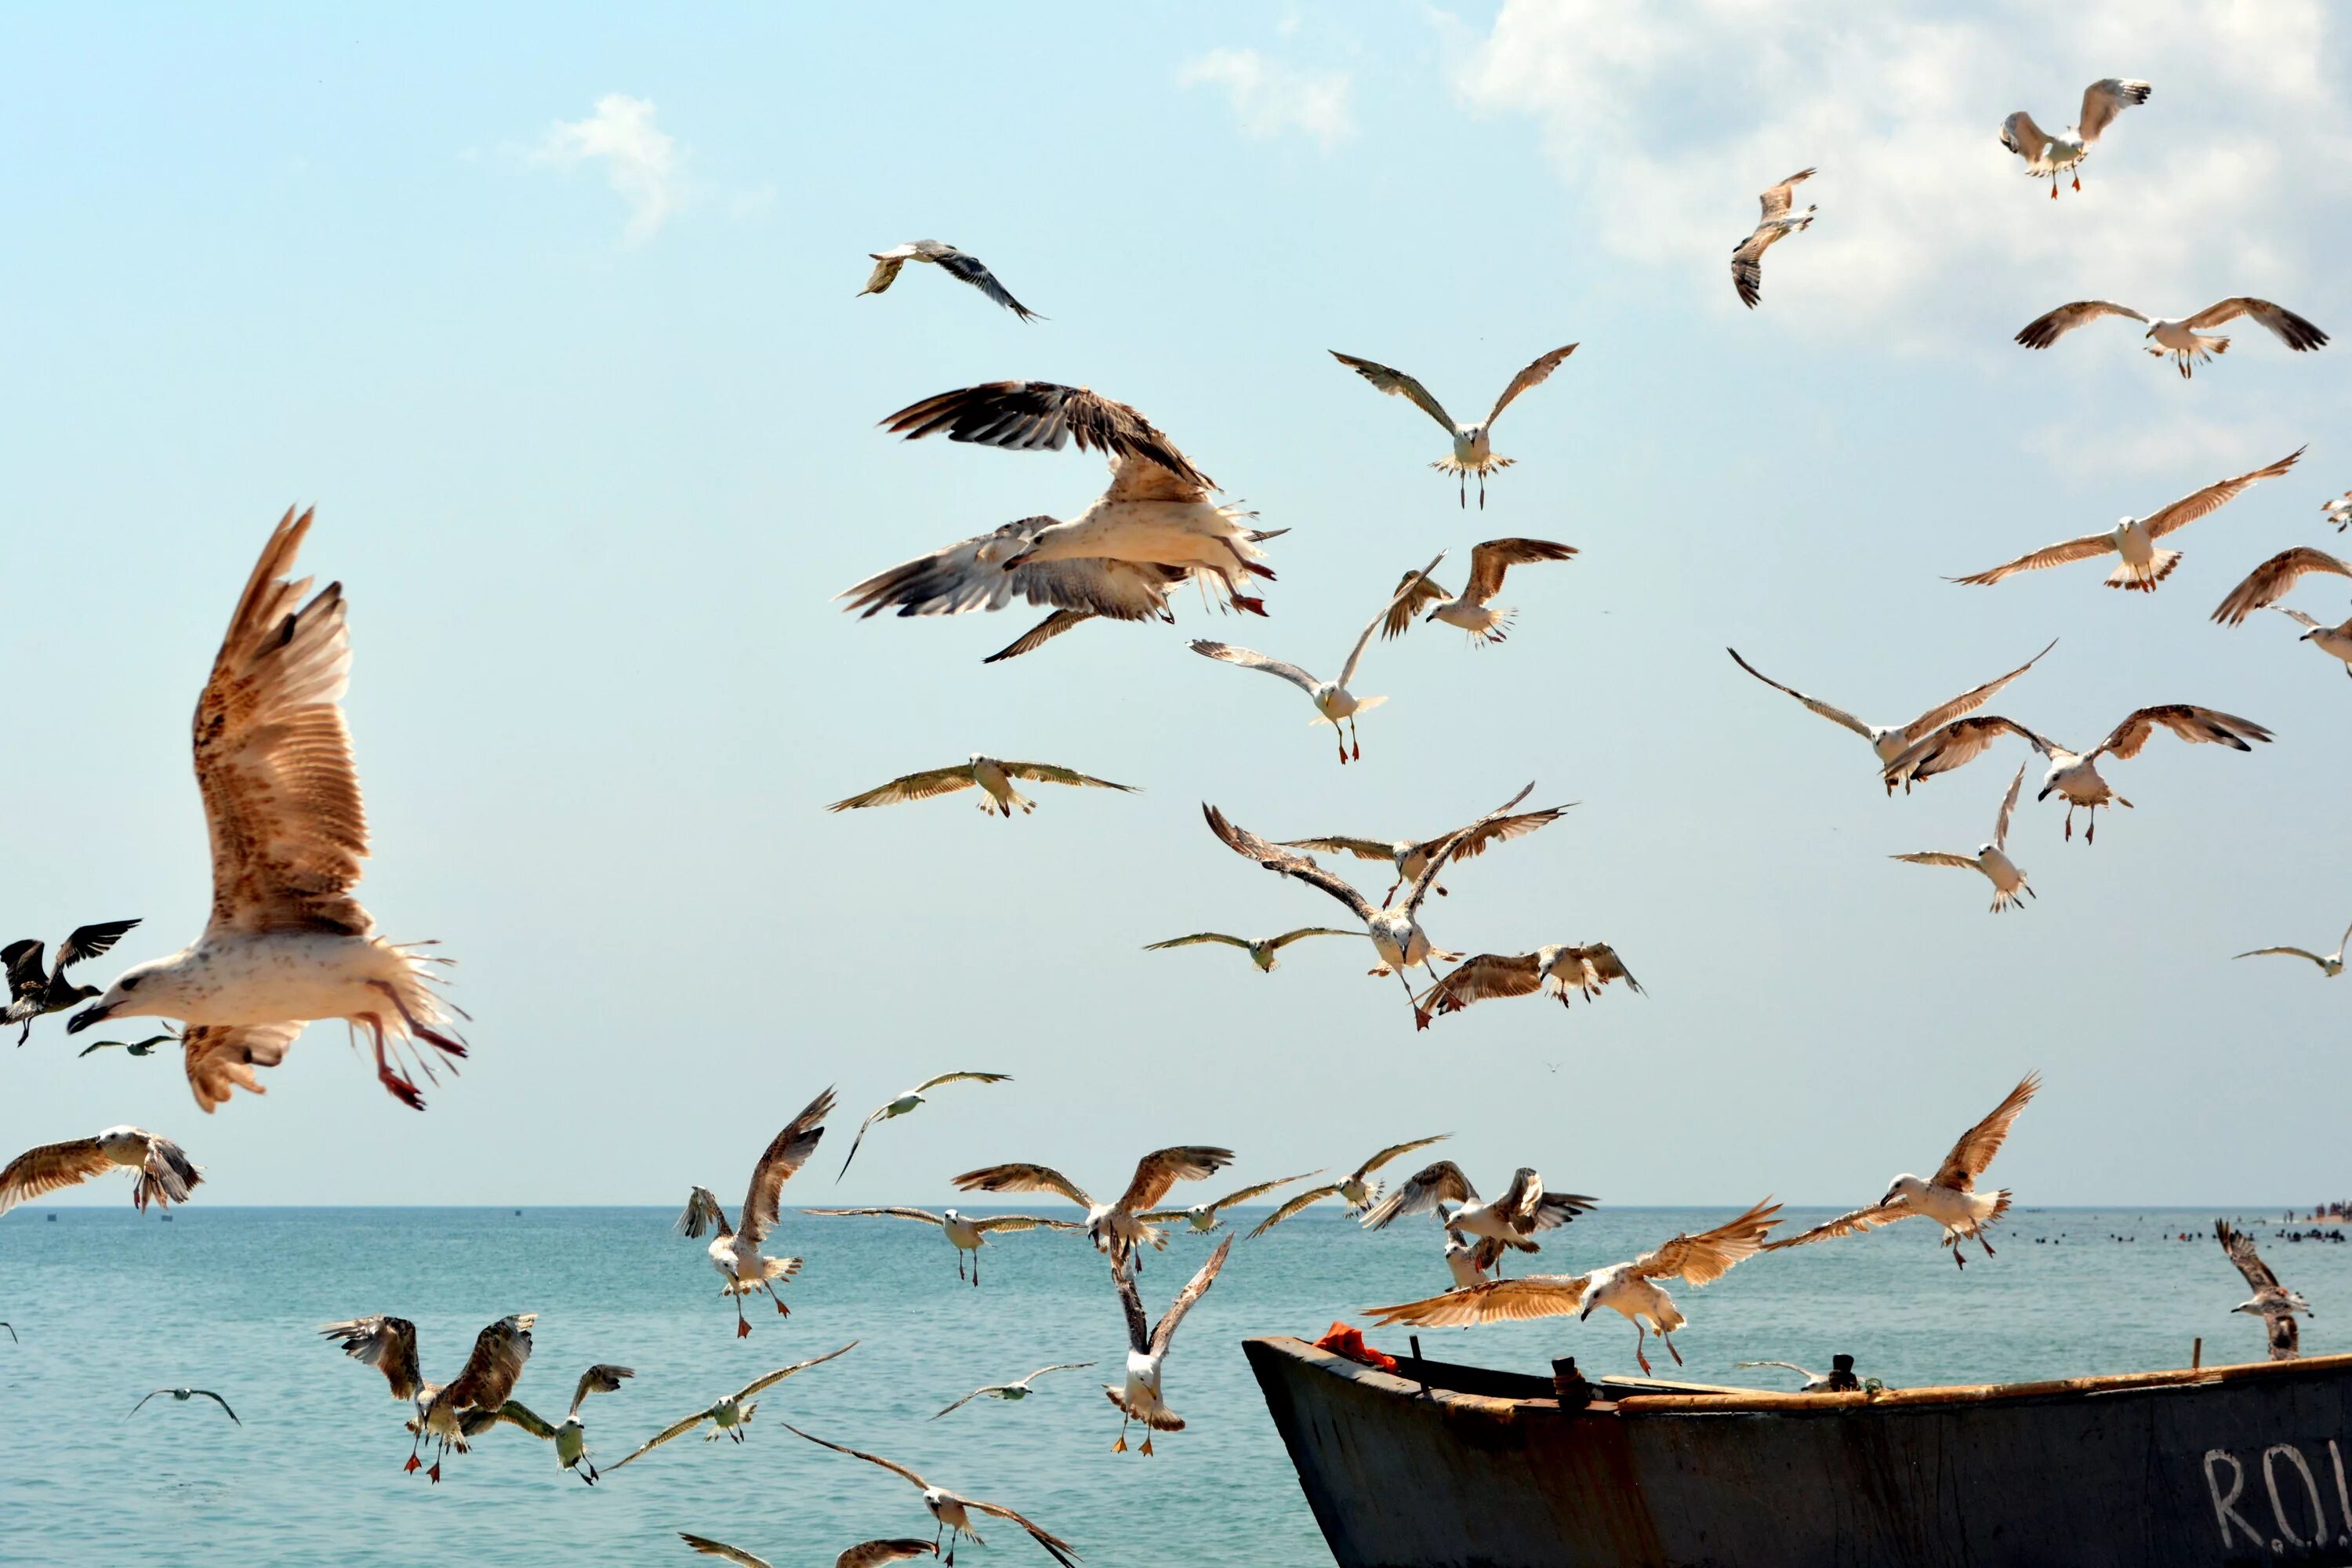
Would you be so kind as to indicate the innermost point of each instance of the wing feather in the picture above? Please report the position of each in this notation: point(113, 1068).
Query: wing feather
point(1022, 1178)
point(1301, 1201)
point(1415, 594)
point(2045, 329)
point(2212, 498)
point(1442, 1183)
point(970, 270)
point(786, 1153)
point(2270, 581)
point(1048, 772)
point(1490, 560)
point(1033, 415)
point(1165, 1335)
point(769, 1379)
point(1274, 857)
point(1539, 370)
point(1163, 1168)
point(2283, 323)
point(909, 787)
point(1957, 743)
point(494, 1365)
point(1969, 701)
point(1250, 658)
point(2087, 547)
point(385, 1343)
point(2198, 726)
point(1974, 1151)
point(1834, 715)
point(1396, 384)
point(1496, 1302)
point(220, 1057)
point(1709, 1256)
point(2105, 98)
point(40, 1171)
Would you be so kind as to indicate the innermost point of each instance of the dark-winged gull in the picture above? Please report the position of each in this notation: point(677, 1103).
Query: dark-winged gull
point(1474, 451)
point(735, 1253)
point(2273, 1302)
point(949, 260)
point(966, 1233)
point(162, 1173)
point(2180, 336)
point(953, 1510)
point(991, 776)
point(2047, 156)
point(181, 1396)
point(1472, 609)
point(1561, 969)
point(2271, 582)
point(36, 990)
point(1138, 1397)
point(1991, 860)
point(1018, 1389)
point(1890, 741)
point(1117, 1228)
point(1777, 224)
point(442, 1410)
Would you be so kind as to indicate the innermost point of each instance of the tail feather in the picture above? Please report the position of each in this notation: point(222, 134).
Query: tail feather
point(2132, 579)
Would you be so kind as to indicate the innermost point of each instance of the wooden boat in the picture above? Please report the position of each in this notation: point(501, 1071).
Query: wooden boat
point(1439, 1466)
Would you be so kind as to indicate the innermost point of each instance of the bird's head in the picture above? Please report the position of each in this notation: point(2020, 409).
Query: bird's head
point(2253, 1306)
point(153, 989)
point(1905, 1186)
point(949, 1214)
point(1985, 849)
point(117, 1142)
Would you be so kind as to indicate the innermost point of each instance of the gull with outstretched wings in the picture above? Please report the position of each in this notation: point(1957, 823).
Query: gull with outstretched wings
point(2273, 1302)
point(731, 1414)
point(1262, 952)
point(735, 1253)
point(955, 263)
point(1890, 741)
point(2331, 965)
point(1357, 1189)
point(990, 775)
point(1472, 609)
point(1118, 1227)
point(1777, 224)
point(1411, 857)
point(1523, 1209)
point(864, 1555)
point(162, 1173)
point(1206, 1217)
point(36, 989)
point(2047, 156)
point(1016, 1391)
point(1474, 450)
point(2133, 538)
point(1560, 969)
point(909, 1099)
point(1139, 1398)
point(966, 1233)
point(953, 1510)
point(181, 1396)
point(449, 1412)
point(2180, 336)
point(1991, 860)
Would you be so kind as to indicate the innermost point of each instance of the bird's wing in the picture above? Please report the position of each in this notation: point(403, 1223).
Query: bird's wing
point(786, 1154)
point(971, 574)
point(1415, 594)
point(1785, 1365)
point(702, 1213)
point(1710, 1254)
point(1939, 858)
point(1047, 773)
point(2105, 98)
point(1033, 415)
point(1748, 262)
point(1165, 1335)
point(1022, 1178)
point(2087, 547)
point(970, 270)
point(676, 1429)
point(1539, 370)
point(885, 273)
point(2043, 330)
point(1038, 636)
point(1834, 715)
point(90, 941)
point(220, 1057)
point(1444, 851)
point(2282, 952)
point(1058, 1366)
point(1301, 1201)
point(967, 1399)
point(892, 1549)
point(1274, 857)
point(1250, 658)
point(216, 1399)
point(1011, 1222)
point(1978, 1145)
point(274, 759)
point(961, 1075)
point(1059, 1550)
point(1259, 1190)
point(1969, 701)
point(769, 1379)
point(1777, 201)
point(2297, 617)
point(1396, 384)
point(1959, 741)
point(1497, 1301)
point(1517, 1201)
point(1286, 938)
point(1442, 1183)
point(44, 1170)
point(494, 1365)
point(1197, 938)
point(604, 1377)
point(1131, 1305)
point(2008, 806)
point(515, 1413)
point(1852, 1223)
point(1404, 591)
point(901, 1472)
point(2211, 498)
point(895, 1212)
point(2240, 1247)
point(1163, 1168)
point(1394, 1150)
point(1361, 848)
point(1498, 831)
point(2272, 579)
point(1484, 976)
point(911, 786)
point(1489, 561)
point(2023, 137)
point(143, 1401)
point(2198, 726)
point(26, 973)
point(387, 1345)
point(2285, 324)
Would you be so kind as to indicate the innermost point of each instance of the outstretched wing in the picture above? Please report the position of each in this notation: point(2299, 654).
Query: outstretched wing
point(44, 1170)
point(885, 273)
point(1059, 1550)
point(2105, 98)
point(1163, 1336)
point(1361, 848)
point(2211, 498)
point(1938, 858)
point(1250, 658)
point(1978, 1145)
point(1394, 1150)
point(1130, 1302)
point(2285, 324)
point(911, 786)
point(1748, 262)
point(1286, 938)
point(1163, 1168)
point(1012, 1222)
point(515, 1413)
point(2021, 136)
point(901, 1472)
point(26, 973)
point(2008, 806)
point(1197, 938)
point(970, 270)
point(1444, 851)
point(769, 1379)
point(1536, 372)
point(1969, 701)
point(1033, 415)
point(1041, 633)
point(1047, 773)
point(894, 1549)
point(387, 1345)
point(2270, 581)
point(219, 1059)
point(944, 1079)
point(1852, 1223)
point(2088, 547)
point(2282, 952)
point(1274, 857)
point(1490, 560)
point(1834, 715)
point(701, 1215)
point(1962, 741)
point(604, 1377)
point(2198, 726)
point(1396, 384)
point(1709, 1254)
point(675, 1429)
point(1496, 1302)
point(1777, 201)
point(1482, 977)
point(1442, 1183)
point(90, 941)
point(1311, 1196)
point(1415, 594)
point(896, 1213)
point(494, 1365)
point(2043, 330)
point(1404, 591)
point(786, 1154)
point(1022, 1178)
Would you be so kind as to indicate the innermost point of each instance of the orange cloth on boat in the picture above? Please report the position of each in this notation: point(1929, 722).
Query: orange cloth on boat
point(1346, 1340)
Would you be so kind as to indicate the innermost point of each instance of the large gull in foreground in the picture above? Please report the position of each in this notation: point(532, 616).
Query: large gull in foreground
point(2143, 565)
point(162, 1173)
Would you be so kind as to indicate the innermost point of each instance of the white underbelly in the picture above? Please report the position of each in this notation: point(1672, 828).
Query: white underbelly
point(304, 974)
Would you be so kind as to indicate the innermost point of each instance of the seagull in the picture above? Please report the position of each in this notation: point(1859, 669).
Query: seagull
point(1114, 1229)
point(908, 1100)
point(1473, 451)
point(1523, 1208)
point(1890, 741)
point(1262, 953)
point(1990, 860)
point(482, 1386)
point(1333, 702)
point(570, 1437)
point(2273, 1302)
point(2330, 965)
point(2334, 641)
point(2075, 774)
point(1139, 1398)
point(953, 1510)
point(1356, 1189)
point(1949, 1197)
point(736, 1254)
point(2180, 336)
point(164, 1174)
point(1631, 1289)
point(1013, 1392)
point(2338, 511)
point(1840, 1379)
point(1395, 931)
point(1411, 857)
point(864, 1555)
point(1469, 609)
point(35, 992)
point(1204, 1218)
point(145, 1047)
point(1471, 1264)
point(731, 1414)
point(1778, 223)
point(1157, 509)
point(15, 1340)
point(2047, 156)
point(966, 1232)
point(954, 262)
point(2133, 538)
point(1558, 969)
point(988, 773)
point(182, 1396)
point(287, 942)
point(2270, 581)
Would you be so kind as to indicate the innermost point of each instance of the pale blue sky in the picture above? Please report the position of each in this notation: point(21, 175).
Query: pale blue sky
point(591, 462)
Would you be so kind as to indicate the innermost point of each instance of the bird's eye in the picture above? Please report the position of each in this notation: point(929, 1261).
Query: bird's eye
point(130, 984)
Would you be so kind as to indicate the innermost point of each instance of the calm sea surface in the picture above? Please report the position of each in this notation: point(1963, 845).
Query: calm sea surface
point(109, 1306)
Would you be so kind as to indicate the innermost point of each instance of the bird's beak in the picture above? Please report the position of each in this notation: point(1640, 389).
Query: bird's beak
point(96, 1013)
point(1429, 618)
point(1889, 1198)
point(1020, 560)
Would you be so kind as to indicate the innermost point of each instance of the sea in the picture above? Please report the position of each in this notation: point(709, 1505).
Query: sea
point(106, 1304)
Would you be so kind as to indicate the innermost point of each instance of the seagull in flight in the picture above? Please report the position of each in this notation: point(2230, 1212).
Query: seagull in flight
point(35, 991)
point(2334, 641)
point(1523, 1209)
point(2330, 965)
point(1558, 969)
point(1014, 1391)
point(569, 1436)
point(1777, 224)
point(908, 1100)
point(864, 1555)
point(1411, 857)
point(989, 774)
point(1470, 609)
point(1262, 952)
point(736, 1253)
point(1356, 1189)
point(950, 260)
point(2047, 156)
point(953, 1510)
point(2273, 1302)
point(1474, 452)
point(2271, 582)
point(1204, 1218)
point(1990, 860)
point(1891, 741)
point(731, 1416)
point(481, 1387)
point(2338, 511)
point(2182, 337)
point(1117, 1228)
point(144, 1047)
point(287, 942)
point(182, 1396)
point(1139, 1398)
point(162, 1174)
point(1949, 1197)
point(1334, 703)
point(968, 1233)
point(2133, 538)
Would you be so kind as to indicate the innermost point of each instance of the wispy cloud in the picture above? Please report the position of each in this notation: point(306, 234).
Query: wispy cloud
point(1271, 98)
point(641, 161)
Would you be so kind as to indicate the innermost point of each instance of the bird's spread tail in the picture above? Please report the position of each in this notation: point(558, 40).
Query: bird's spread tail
point(1156, 1416)
point(417, 1016)
point(2143, 580)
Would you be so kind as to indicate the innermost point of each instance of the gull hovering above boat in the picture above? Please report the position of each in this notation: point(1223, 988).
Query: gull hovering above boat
point(287, 942)
point(2271, 582)
point(480, 1388)
point(955, 263)
point(1262, 952)
point(181, 1396)
point(1410, 858)
point(864, 1555)
point(731, 1414)
point(736, 1253)
point(1474, 450)
point(2330, 965)
point(1840, 1379)
point(35, 990)
point(569, 1436)
point(1523, 1208)
point(968, 1233)
point(1014, 1391)
point(908, 1100)
point(1334, 703)
point(1117, 1228)
point(1777, 224)
point(2182, 337)
point(1204, 1218)
point(1356, 1189)
point(987, 773)
point(2273, 1302)
point(2047, 156)
point(162, 1173)
point(1949, 1197)
point(953, 1510)
point(1890, 741)
point(2133, 538)
point(1139, 1398)
point(1558, 969)
point(1471, 609)
point(2075, 774)
point(1990, 860)
point(1630, 1289)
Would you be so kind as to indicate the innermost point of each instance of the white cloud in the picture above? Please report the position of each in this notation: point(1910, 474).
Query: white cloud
point(641, 161)
point(1269, 98)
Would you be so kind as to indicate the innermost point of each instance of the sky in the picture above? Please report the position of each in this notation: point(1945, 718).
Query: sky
point(552, 316)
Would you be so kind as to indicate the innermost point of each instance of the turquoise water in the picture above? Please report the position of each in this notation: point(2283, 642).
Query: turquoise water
point(109, 1306)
